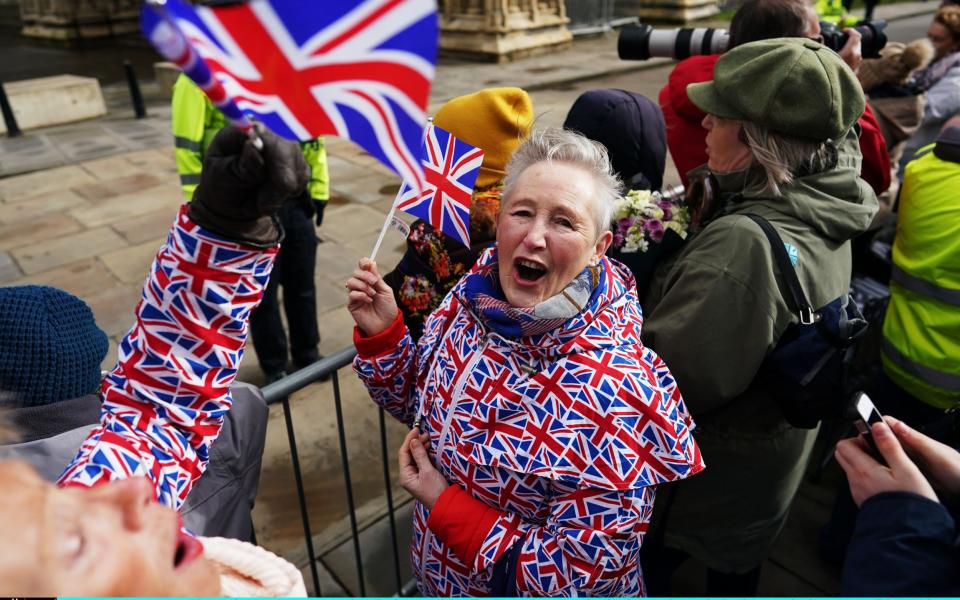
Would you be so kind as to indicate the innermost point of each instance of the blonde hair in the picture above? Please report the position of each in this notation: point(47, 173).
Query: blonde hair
point(784, 158)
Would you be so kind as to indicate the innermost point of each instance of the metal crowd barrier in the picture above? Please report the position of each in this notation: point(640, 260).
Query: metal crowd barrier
point(279, 392)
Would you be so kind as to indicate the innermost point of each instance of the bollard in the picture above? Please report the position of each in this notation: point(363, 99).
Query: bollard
point(135, 96)
point(13, 130)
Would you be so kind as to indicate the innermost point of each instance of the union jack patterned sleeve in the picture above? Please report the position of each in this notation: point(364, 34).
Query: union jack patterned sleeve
point(165, 400)
point(389, 362)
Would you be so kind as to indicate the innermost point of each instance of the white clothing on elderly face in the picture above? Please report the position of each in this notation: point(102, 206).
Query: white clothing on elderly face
point(248, 571)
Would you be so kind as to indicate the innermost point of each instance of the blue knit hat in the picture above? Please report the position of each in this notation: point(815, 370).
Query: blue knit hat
point(50, 346)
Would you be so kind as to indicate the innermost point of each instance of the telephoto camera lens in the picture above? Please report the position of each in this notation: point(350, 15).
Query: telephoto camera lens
point(642, 42)
point(872, 37)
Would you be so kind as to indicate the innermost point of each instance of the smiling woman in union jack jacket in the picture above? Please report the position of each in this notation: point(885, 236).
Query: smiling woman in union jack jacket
point(541, 424)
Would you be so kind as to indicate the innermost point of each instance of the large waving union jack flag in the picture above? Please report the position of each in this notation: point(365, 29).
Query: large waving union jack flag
point(358, 69)
point(450, 168)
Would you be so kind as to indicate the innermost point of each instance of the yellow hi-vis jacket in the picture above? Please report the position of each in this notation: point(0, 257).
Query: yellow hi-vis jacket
point(831, 11)
point(195, 120)
point(921, 332)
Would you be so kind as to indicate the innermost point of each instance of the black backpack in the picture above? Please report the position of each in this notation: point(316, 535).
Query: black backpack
point(810, 370)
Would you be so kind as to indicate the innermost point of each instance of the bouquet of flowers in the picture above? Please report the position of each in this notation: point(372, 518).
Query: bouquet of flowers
point(646, 229)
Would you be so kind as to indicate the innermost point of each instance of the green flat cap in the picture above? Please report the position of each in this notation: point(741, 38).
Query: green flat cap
point(793, 86)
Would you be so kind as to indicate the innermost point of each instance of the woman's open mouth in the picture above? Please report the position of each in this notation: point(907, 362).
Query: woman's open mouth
point(187, 548)
point(528, 271)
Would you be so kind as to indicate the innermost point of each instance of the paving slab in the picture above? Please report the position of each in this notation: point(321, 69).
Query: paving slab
point(130, 265)
point(146, 133)
point(157, 161)
point(38, 229)
point(135, 181)
point(149, 226)
point(111, 168)
point(48, 254)
point(360, 183)
point(329, 294)
point(28, 153)
point(166, 196)
point(113, 308)
point(376, 553)
point(344, 223)
point(8, 268)
point(330, 586)
point(336, 331)
point(336, 262)
point(390, 252)
point(82, 278)
point(59, 201)
point(23, 187)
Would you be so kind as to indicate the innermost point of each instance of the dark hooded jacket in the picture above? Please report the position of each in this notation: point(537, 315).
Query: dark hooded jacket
point(631, 126)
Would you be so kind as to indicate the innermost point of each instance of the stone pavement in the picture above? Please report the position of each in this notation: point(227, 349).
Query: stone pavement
point(85, 206)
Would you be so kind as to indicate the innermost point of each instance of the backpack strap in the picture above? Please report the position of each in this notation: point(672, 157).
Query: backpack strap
point(796, 298)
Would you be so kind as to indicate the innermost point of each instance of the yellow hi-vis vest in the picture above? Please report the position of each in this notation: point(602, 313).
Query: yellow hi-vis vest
point(831, 11)
point(921, 331)
point(195, 121)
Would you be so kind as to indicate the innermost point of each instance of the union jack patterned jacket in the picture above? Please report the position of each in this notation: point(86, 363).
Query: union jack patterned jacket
point(164, 402)
point(552, 443)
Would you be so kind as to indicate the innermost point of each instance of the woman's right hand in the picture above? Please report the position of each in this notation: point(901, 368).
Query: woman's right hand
point(371, 302)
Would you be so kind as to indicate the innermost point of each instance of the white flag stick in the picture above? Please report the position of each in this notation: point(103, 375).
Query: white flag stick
point(393, 207)
point(386, 225)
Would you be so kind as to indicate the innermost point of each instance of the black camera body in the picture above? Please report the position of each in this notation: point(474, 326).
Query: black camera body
point(642, 42)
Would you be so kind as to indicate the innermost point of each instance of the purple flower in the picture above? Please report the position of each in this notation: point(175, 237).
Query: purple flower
point(656, 231)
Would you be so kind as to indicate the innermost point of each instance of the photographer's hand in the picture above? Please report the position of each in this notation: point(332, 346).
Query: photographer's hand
point(868, 477)
point(939, 462)
point(851, 53)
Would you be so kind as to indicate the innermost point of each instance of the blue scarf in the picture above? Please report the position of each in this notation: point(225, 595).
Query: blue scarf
point(482, 292)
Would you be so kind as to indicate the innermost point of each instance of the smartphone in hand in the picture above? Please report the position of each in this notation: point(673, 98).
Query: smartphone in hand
point(868, 415)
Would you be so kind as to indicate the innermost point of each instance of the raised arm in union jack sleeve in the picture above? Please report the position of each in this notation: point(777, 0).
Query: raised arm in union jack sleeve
point(164, 402)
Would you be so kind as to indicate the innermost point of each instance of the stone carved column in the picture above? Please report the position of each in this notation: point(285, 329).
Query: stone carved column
point(502, 29)
point(79, 19)
point(666, 11)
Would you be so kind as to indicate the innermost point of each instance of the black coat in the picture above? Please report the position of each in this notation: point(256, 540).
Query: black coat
point(903, 545)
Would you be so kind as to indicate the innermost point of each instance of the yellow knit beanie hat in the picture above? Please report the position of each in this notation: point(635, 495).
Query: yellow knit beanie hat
point(495, 120)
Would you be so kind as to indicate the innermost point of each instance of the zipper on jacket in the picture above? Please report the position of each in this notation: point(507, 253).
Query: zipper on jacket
point(459, 386)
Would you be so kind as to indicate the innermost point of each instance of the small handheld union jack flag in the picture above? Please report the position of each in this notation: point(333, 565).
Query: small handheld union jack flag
point(450, 169)
point(357, 69)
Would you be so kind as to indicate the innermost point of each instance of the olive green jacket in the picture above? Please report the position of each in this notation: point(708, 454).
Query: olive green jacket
point(714, 313)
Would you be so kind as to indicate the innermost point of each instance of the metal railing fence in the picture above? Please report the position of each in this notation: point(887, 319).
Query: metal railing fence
point(279, 392)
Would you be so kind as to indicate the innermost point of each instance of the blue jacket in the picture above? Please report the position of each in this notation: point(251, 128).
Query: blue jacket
point(903, 545)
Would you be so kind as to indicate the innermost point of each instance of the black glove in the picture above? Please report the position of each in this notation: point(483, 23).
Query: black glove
point(319, 206)
point(241, 188)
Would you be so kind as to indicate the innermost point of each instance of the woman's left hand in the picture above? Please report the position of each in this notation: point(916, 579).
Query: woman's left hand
point(867, 477)
point(417, 474)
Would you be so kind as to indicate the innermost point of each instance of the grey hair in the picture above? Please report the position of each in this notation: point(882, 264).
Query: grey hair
point(784, 157)
point(562, 145)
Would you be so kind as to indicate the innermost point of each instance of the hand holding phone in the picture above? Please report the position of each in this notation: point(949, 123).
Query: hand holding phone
point(868, 415)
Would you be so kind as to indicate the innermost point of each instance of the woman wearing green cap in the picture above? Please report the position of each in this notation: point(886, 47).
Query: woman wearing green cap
point(781, 145)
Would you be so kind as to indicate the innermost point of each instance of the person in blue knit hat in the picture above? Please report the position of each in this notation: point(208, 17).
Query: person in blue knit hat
point(51, 350)
point(50, 346)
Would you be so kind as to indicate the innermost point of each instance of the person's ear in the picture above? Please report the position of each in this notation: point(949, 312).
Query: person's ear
point(603, 242)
